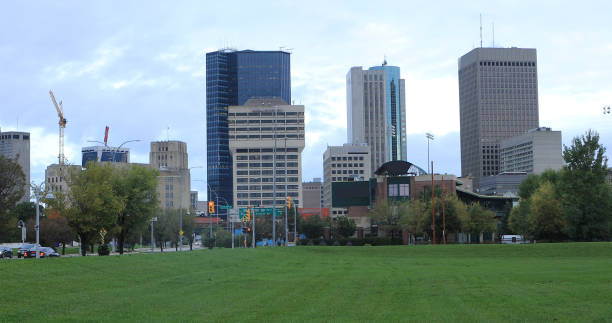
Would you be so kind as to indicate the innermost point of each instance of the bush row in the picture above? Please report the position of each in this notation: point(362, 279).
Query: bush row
point(373, 241)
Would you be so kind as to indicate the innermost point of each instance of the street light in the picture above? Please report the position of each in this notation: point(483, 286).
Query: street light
point(429, 137)
point(606, 110)
point(38, 191)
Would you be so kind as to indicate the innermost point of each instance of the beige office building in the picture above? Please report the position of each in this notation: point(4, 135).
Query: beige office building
point(58, 177)
point(252, 144)
point(174, 182)
point(343, 164)
point(313, 194)
point(16, 146)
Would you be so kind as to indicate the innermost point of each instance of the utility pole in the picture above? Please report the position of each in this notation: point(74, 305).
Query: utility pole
point(443, 214)
point(433, 216)
point(274, 182)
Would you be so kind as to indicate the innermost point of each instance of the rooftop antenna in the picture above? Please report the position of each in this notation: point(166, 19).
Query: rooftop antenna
point(480, 30)
point(384, 61)
point(168, 133)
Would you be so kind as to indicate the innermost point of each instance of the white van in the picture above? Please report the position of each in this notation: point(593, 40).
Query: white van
point(512, 239)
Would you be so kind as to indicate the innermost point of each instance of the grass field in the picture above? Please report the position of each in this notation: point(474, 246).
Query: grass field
point(486, 283)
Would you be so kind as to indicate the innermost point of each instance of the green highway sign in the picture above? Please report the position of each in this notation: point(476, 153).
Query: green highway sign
point(225, 207)
point(260, 211)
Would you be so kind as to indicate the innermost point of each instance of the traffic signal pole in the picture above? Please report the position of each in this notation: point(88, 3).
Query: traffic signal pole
point(253, 239)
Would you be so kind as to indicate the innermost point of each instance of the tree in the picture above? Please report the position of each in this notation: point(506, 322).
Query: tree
point(480, 220)
point(412, 217)
point(93, 204)
point(12, 188)
point(137, 187)
point(344, 226)
point(586, 198)
point(518, 220)
point(312, 227)
point(54, 230)
point(452, 213)
point(546, 216)
point(387, 217)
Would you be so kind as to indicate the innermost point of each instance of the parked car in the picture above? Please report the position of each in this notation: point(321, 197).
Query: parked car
point(44, 252)
point(6, 252)
point(25, 247)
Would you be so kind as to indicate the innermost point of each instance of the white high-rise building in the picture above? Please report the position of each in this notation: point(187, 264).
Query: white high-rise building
point(533, 153)
point(252, 143)
point(376, 112)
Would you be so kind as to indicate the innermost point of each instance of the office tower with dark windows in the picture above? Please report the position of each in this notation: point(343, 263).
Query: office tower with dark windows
point(233, 77)
point(376, 112)
point(498, 99)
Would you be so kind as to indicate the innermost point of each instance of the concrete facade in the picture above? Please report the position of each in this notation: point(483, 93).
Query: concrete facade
point(252, 144)
point(344, 163)
point(498, 99)
point(58, 178)
point(16, 145)
point(533, 153)
point(313, 193)
point(376, 112)
point(174, 182)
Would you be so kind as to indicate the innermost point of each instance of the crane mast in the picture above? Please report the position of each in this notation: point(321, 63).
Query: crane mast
point(62, 124)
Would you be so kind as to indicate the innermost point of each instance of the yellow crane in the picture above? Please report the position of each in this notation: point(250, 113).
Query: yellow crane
point(62, 125)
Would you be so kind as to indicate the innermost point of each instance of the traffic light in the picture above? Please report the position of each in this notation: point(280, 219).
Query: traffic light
point(211, 207)
point(248, 215)
point(289, 201)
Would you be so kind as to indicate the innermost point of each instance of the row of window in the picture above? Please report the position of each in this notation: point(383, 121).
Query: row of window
point(258, 121)
point(266, 129)
point(25, 137)
point(265, 114)
point(266, 150)
point(264, 187)
point(350, 171)
point(497, 63)
point(266, 172)
point(265, 194)
point(278, 136)
point(251, 165)
point(255, 203)
point(399, 190)
point(261, 180)
point(266, 157)
point(347, 158)
point(347, 165)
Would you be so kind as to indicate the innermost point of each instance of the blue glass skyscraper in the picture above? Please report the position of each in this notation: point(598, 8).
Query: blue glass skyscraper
point(233, 77)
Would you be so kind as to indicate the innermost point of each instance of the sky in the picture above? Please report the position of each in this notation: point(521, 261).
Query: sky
point(139, 67)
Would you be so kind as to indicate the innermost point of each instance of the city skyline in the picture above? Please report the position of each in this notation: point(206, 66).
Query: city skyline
point(140, 74)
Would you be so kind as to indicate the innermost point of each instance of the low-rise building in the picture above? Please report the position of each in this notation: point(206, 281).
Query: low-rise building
point(313, 193)
point(343, 164)
point(533, 152)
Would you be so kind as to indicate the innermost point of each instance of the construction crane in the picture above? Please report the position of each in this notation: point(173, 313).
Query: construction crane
point(62, 125)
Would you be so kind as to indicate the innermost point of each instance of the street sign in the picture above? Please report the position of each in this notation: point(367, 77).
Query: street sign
point(153, 219)
point(260, 211)
point(225, 207)
point(36, 227)
point(181, 232)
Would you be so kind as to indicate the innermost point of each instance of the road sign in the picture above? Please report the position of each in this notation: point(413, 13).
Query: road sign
point(181, 232)
point(36, 227)
point(260, 211)
point(225, 207)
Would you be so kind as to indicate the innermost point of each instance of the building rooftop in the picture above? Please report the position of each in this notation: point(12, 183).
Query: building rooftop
point(265, 102)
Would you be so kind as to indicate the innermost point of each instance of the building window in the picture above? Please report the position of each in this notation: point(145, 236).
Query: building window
point(404, 189)
point(393, 190)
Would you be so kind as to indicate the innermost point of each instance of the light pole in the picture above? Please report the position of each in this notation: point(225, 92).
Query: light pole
point(606, 110)
point(274, 181)
point(429, 137)
point(38, 191)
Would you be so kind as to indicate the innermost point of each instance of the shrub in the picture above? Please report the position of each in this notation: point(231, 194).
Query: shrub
point(103, 250)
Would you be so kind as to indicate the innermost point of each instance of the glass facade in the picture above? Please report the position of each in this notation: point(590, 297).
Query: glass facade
point(394, 100)
point(232, 77)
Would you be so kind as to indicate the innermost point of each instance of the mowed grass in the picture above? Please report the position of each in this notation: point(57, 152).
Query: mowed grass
point(469, 283)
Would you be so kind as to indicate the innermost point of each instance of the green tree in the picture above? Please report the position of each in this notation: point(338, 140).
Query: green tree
point(412, 217)
point(312, 227)
point(451, 212)
point(54, 230)
point(387, 216)
point(546, 218)
point(93, 204)
point(480, 220)
point(518, 220)
point(137, 187)
point(344, 226)
point(586, 198)
point(12, 188)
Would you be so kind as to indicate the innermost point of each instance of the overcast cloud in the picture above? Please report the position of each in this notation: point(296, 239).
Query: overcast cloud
point(139, 67)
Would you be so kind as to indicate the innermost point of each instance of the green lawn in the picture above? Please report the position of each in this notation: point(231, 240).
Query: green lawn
point(485, 283)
